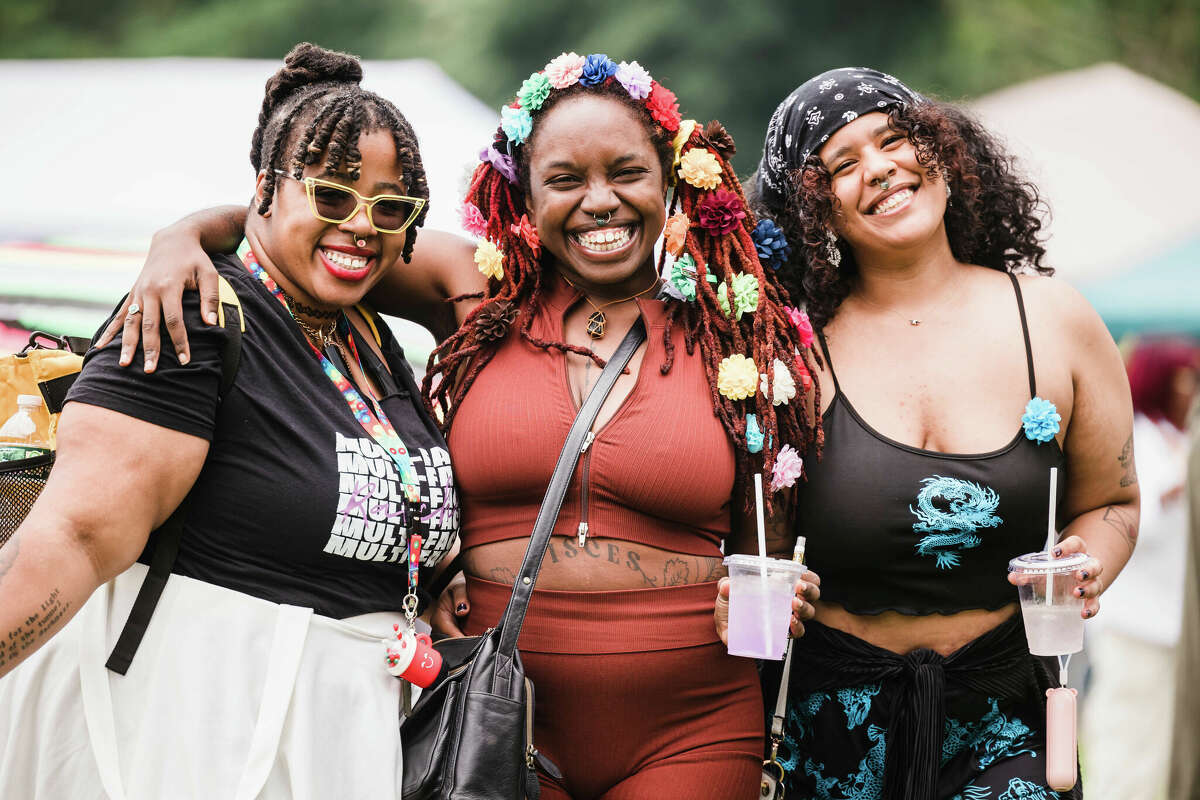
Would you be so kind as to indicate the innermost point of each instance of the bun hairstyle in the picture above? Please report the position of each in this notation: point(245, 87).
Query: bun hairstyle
point(716, 290)
point(314, 111)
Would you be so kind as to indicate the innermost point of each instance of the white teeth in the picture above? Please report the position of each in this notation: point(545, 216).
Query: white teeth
point(345, 260)
point(893, 202)
point(602, 241)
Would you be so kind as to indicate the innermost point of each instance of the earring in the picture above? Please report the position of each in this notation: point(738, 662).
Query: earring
point(832, 253)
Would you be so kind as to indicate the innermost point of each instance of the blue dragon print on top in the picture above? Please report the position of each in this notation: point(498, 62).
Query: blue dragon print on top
point(856, 702)
point(866, 784)
point(965, 507)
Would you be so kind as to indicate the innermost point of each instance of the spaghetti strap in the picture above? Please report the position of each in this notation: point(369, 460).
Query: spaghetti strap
point(1024, 332)
point(828, 361)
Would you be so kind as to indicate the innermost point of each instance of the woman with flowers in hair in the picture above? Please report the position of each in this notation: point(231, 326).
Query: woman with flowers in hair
point(961, 376)
point(636, 694)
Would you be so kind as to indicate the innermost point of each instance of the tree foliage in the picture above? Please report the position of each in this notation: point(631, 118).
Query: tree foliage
point(732, 61)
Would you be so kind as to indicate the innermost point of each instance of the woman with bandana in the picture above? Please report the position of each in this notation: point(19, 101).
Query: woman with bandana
point(960, 376)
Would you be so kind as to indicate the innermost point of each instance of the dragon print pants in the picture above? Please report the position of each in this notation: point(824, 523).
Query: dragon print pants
point(835, 744)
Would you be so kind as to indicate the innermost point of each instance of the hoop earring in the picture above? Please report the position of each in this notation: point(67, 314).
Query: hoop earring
point(832, 254)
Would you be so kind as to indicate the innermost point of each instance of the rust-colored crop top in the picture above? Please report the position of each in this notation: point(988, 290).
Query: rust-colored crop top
point(660, 472)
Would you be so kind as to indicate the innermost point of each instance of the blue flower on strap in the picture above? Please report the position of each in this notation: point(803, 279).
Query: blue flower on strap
point(1040, 420)
point(772, 245)
point(597, 69)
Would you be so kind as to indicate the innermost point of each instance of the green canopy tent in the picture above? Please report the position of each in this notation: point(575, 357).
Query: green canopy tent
point(1161, 295)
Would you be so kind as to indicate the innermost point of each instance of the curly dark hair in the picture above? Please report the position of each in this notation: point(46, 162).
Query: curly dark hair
point(993, 218)
point(314, 110)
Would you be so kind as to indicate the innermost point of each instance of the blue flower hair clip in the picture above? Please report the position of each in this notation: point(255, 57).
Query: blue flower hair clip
point(1040, 420)
point(754, 436)
point(772, 245)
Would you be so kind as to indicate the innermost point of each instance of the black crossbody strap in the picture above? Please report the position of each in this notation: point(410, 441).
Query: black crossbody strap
point(539, 540)
point(168, 536)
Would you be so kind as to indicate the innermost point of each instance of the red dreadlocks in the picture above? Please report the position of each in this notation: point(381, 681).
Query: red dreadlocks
point(722, 249)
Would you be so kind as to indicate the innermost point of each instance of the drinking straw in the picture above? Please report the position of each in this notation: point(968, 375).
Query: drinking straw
point(1051, 533)
point(762, 556)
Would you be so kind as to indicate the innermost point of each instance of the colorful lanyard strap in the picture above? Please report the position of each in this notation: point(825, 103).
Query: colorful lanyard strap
point(376, 424)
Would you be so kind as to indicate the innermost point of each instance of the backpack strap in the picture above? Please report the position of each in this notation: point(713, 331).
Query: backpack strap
point(168, 536)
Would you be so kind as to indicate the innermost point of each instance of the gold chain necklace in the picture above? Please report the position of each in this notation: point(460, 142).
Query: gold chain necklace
point(910, 320)
point(597, 321)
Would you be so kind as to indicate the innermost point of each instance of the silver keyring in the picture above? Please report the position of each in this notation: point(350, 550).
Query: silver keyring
point(605, 221)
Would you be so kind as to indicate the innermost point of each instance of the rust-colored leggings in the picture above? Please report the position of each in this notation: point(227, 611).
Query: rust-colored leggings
point(672, 716)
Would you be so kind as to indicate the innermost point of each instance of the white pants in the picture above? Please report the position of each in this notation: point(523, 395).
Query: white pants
point(229, 697)
point(1127, 716)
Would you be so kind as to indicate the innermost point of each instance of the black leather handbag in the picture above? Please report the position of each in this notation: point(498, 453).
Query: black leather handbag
point(470, 736)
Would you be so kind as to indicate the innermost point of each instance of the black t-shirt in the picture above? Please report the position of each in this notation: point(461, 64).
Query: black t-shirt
point(296, 503)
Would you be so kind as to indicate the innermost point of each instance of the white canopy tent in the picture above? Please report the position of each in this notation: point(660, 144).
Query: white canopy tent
point(102, 153)
point(112, 149)
point(1114, 154)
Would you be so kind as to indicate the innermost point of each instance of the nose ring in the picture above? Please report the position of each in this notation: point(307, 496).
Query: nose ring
point(607, 218)
point(360, 242)
point(883, 183)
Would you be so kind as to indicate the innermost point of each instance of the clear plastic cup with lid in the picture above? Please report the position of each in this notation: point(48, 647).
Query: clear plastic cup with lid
point(760, 604)
point(1053, 614)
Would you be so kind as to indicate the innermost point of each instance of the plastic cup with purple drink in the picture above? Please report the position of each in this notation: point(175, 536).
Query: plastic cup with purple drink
point(760, 604)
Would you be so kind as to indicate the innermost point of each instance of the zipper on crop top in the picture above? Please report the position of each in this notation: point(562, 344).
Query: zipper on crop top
point(585, 472)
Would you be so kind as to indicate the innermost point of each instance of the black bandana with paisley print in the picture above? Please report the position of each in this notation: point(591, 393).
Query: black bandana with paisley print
point(815, 111)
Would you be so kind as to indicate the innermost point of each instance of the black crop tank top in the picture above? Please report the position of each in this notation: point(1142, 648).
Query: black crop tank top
point(893, 527)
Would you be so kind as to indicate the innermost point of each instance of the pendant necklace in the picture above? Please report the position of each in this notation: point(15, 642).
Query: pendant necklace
point(597, 321)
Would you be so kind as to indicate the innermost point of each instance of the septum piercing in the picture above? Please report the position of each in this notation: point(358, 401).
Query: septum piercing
point(605, 221)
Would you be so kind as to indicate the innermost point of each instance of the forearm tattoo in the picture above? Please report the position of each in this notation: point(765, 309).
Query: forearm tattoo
point(37, 626)
point(1128, 470)
point(1123, 522)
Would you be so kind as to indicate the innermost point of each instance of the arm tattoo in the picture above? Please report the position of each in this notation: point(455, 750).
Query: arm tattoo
point(32, 629)
point(1129, 471)
point(1123, 523)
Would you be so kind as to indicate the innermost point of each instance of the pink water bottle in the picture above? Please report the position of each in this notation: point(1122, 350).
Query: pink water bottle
point(412, 657)
point(1060, 739)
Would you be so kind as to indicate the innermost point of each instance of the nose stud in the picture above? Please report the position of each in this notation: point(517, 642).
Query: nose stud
point(599, 222)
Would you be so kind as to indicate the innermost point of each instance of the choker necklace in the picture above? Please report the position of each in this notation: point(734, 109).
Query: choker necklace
point(597, 320)
point(309, 311)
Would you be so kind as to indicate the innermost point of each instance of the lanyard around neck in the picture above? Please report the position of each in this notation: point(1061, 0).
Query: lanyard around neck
point(376, 423)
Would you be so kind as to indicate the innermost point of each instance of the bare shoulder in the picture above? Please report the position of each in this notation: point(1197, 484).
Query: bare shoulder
point(1057, 307)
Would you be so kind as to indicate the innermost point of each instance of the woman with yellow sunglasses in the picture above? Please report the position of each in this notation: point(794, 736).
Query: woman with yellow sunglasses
point(313, 487)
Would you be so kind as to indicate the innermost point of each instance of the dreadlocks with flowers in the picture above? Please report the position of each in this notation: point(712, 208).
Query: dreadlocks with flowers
point(755, 354)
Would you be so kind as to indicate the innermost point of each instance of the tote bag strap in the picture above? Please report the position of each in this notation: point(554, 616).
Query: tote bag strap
point(543, 527)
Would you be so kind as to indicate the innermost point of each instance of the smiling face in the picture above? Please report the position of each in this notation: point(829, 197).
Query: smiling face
point(591, 156)
point(862, 157)
point(318, 262)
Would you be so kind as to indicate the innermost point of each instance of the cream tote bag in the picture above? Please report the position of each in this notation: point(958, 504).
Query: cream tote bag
point(229, 696)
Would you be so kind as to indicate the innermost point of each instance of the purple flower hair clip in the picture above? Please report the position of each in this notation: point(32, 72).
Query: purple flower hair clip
point(503, 163)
